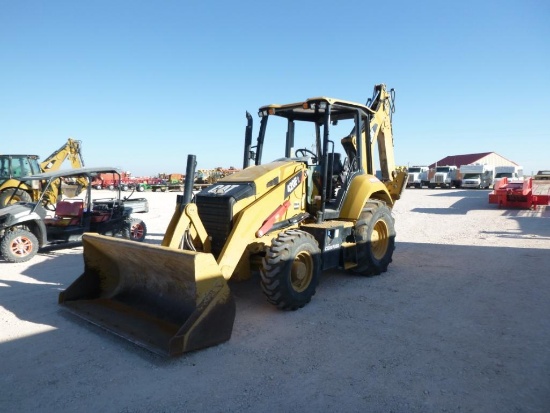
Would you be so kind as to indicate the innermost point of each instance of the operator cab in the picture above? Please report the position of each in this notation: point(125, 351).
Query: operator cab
point(309, 128)
point(18, 166)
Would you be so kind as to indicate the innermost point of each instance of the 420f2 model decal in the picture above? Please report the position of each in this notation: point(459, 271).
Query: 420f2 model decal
point(293, 183)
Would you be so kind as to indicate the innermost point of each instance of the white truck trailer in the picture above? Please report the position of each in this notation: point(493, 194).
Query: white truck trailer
point(513, 173)
point(477, 176)
point(418, 176)
point(445, 176)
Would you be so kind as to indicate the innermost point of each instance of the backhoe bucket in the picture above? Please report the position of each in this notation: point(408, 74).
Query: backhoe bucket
point(167, 300)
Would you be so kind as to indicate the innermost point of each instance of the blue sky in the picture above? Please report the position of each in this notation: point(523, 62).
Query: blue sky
point(143, 84)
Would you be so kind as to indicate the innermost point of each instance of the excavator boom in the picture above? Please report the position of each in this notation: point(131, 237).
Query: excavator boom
point(71, 150)
point(378, 132)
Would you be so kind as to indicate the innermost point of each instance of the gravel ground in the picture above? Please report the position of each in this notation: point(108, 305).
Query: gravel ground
point(459, 323)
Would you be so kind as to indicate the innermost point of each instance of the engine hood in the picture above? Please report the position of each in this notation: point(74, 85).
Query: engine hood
point(264, 177)
point(244, 187)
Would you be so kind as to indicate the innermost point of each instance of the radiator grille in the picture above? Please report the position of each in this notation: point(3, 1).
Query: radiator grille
point(216, 214)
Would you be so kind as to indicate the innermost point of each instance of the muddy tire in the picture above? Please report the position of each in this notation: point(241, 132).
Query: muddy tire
point(375, 237)
point(291, 269)
point(134, 229)
point(19, 245)
point(20, 196)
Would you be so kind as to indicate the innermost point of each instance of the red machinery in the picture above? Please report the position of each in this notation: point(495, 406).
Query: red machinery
point(525, 194)
point(110, 181)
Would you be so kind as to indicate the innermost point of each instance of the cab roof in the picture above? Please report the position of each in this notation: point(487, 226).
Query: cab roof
point(340, 109)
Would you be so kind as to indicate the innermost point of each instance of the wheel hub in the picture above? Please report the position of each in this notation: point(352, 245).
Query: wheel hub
point(21, 246)
point(302, 272)
point(137, 231)
point(380, 239)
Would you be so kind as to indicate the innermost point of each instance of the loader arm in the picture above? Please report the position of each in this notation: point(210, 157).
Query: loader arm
point(185, 218)
point(245, 227)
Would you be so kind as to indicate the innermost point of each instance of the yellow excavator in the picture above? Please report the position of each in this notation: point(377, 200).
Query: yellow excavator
point(13, 167)
point(313, 209)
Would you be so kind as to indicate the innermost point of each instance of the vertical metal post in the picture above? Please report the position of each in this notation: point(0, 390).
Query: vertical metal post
point(359, 140)
point(289, 139)
point(324, 162)
point(247, 141)
point(261, 137)
point(189, 179)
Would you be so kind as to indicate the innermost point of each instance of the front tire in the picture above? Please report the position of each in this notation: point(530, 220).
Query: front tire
point(291, 270)
point(375, 238)
point(134, 229)
point(19, 245)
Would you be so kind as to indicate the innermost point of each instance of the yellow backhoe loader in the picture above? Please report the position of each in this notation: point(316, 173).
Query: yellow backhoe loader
point(311, 210)
point(13, 167)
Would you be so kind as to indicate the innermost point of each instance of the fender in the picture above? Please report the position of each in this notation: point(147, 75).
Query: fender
point(40, 232)
point(12, 184)
point(364, 187)
point(23, 215)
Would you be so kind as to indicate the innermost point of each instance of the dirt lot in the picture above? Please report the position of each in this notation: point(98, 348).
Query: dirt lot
point(459, 323)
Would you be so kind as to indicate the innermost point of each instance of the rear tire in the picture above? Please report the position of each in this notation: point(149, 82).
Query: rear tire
point(20, 196)
point(291, 270)
point(134, 229)
point(19, 245)
point(375, 238)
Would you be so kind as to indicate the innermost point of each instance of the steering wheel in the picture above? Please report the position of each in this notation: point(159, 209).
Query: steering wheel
point(304, 152)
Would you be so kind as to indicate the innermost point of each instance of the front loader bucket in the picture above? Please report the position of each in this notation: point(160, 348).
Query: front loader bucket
point(167, 300)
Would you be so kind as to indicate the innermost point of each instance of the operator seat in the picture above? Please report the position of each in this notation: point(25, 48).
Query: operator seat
point(335, 169)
